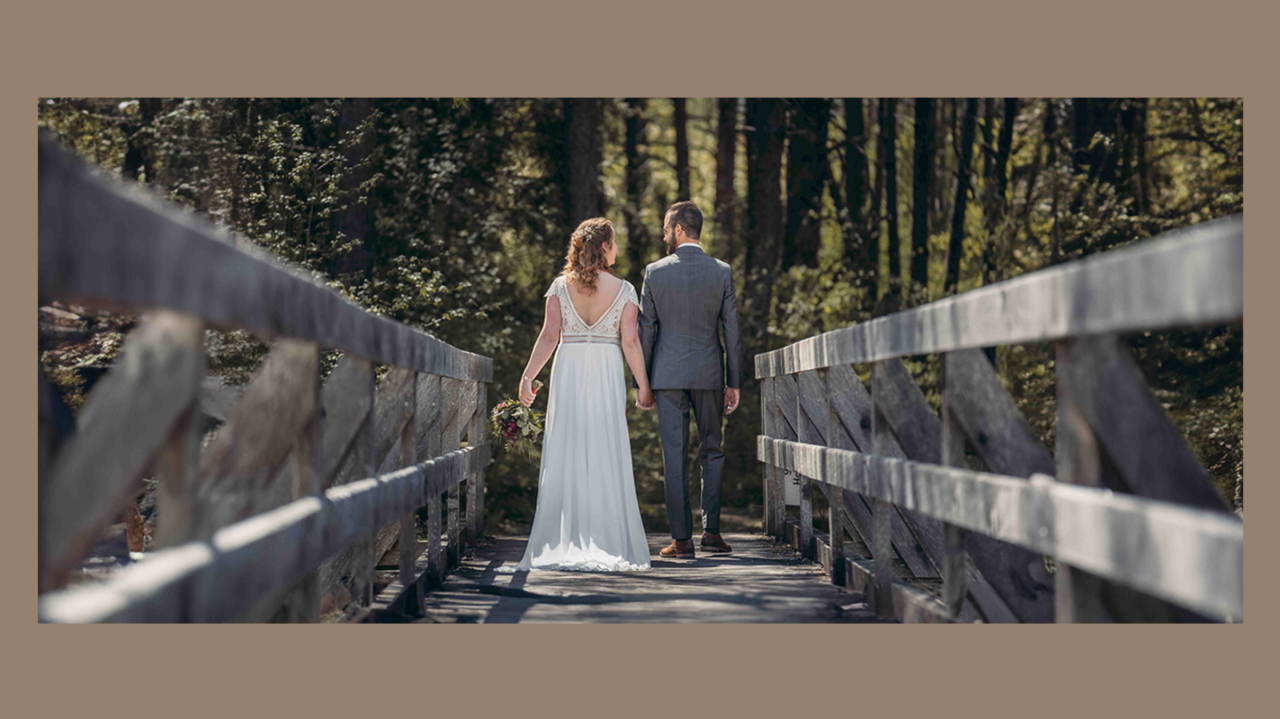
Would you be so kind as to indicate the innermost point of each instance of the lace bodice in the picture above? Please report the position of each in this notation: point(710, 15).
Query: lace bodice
point(608, 328)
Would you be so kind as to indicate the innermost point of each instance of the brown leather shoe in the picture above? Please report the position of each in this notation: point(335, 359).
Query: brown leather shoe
point(679, 549)
point(714, 543)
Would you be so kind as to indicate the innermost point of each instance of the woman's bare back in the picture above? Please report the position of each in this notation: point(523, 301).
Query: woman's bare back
point(591, 308)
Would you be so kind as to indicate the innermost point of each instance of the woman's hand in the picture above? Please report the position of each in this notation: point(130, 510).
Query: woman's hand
point(645, 400)
point(526, 391)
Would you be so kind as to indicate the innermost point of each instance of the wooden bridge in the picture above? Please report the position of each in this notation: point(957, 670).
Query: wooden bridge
point(302, 496)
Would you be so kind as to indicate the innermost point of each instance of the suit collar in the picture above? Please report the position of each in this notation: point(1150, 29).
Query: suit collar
point(689, 247)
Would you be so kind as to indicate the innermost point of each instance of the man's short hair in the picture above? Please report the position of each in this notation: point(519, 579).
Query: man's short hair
point(688, 216)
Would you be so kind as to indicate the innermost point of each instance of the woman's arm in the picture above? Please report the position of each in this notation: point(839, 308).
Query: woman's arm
point(635, 355)
point(542, 350)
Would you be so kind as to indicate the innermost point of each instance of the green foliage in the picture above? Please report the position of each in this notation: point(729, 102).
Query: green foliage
point(464, 204)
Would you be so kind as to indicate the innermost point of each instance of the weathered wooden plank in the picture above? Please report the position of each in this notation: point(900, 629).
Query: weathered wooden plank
point(836, 511)
point(457, 400)
point(218, 580)
point(363, 557)
point(785, 393)
point(100, 241)
point(955, 577)
point(1017, 576)
point(392, 411)
point(218, 398)
point(239, 469)
point(768, 477)
point(431, 407)
point(408, 526)
point(127, 416)
point(1190, 276)
point(475, 486)
point(881, 547)
point(301, 602)
point(851, 404)
point(347, 398)
point(1146, 448)
point(809, 393)
point(177, 468)
point(1192, 557)
point(988, 417)
point(1083, 459)
point(910, 604)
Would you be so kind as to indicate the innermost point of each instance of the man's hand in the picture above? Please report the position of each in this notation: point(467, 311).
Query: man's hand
point(645, 400)
point(731, 399)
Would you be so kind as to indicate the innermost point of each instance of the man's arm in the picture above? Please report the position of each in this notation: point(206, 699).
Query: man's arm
point(732, 339)
point(648, 324)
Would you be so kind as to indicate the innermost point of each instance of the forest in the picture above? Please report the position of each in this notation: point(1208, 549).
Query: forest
point(453, 215)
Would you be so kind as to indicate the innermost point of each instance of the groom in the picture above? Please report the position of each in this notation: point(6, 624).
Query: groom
point(686, 298)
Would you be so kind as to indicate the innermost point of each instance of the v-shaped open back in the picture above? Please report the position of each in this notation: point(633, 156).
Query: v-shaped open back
point(592, 325)
point(606, 327)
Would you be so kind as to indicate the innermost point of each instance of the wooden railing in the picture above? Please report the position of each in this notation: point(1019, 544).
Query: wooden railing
point(306, 484)
point(1119, 523)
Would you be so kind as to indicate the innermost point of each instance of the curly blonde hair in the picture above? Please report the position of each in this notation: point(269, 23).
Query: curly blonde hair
point(586, 258)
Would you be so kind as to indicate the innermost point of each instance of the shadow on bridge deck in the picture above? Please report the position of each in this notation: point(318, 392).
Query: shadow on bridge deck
point(758, 582)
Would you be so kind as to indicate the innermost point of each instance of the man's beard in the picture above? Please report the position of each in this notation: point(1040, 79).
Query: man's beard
point(671, 245)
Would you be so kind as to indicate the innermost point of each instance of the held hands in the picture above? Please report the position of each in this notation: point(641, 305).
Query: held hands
point(731, 396)
point(645, 400)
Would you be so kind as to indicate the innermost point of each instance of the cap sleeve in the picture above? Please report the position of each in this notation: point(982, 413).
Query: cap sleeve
point(629, 294)
point(555, 287)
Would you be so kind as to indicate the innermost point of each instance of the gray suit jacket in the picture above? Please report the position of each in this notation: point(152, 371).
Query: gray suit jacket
point(685, 299)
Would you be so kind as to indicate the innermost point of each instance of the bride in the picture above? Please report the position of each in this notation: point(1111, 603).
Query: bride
point(587, 516)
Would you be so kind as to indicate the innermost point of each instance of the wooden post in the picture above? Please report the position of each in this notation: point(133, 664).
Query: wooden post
point(777, 501)
point(813, 414)
point(766, 429)
point(408, 529)
point(808, 433)
point(455, 397)
point(431, 387)
point(955, 575)
point(881, 538)
point(177, 467)
point(475, 491)
point(363, 450)
point(1077, 594)
point(302, 602)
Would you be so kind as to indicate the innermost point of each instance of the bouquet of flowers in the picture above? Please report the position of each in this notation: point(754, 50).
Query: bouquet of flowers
point(516, 425)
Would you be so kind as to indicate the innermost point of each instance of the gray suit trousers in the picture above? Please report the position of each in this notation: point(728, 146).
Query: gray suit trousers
point(673, 423)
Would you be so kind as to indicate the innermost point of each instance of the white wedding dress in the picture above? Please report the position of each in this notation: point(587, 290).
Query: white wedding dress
point(587, 517)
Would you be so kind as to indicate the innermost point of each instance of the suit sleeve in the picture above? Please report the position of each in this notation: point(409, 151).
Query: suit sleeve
point(732, 339)
point(648, 323)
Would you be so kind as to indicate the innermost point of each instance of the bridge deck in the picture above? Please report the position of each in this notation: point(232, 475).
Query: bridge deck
point(758, 582)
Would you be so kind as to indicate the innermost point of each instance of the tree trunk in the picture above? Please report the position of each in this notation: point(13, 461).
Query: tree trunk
point(997, 223)
point(582, 119)
point(855, 177)
point(889, 145)
point(1144, 187)
point(806, 176)
point(766, 136)
point(682, 149)
point(956, 248)
point(860, 252)
point(988, 138)
point(921, 171)
point(637, 236)
point(726, 164)
point(138, 156)
point(938, 173)
point(356, 221)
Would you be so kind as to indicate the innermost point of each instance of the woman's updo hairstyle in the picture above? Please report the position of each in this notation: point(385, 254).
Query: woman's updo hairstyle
point(586, 258)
